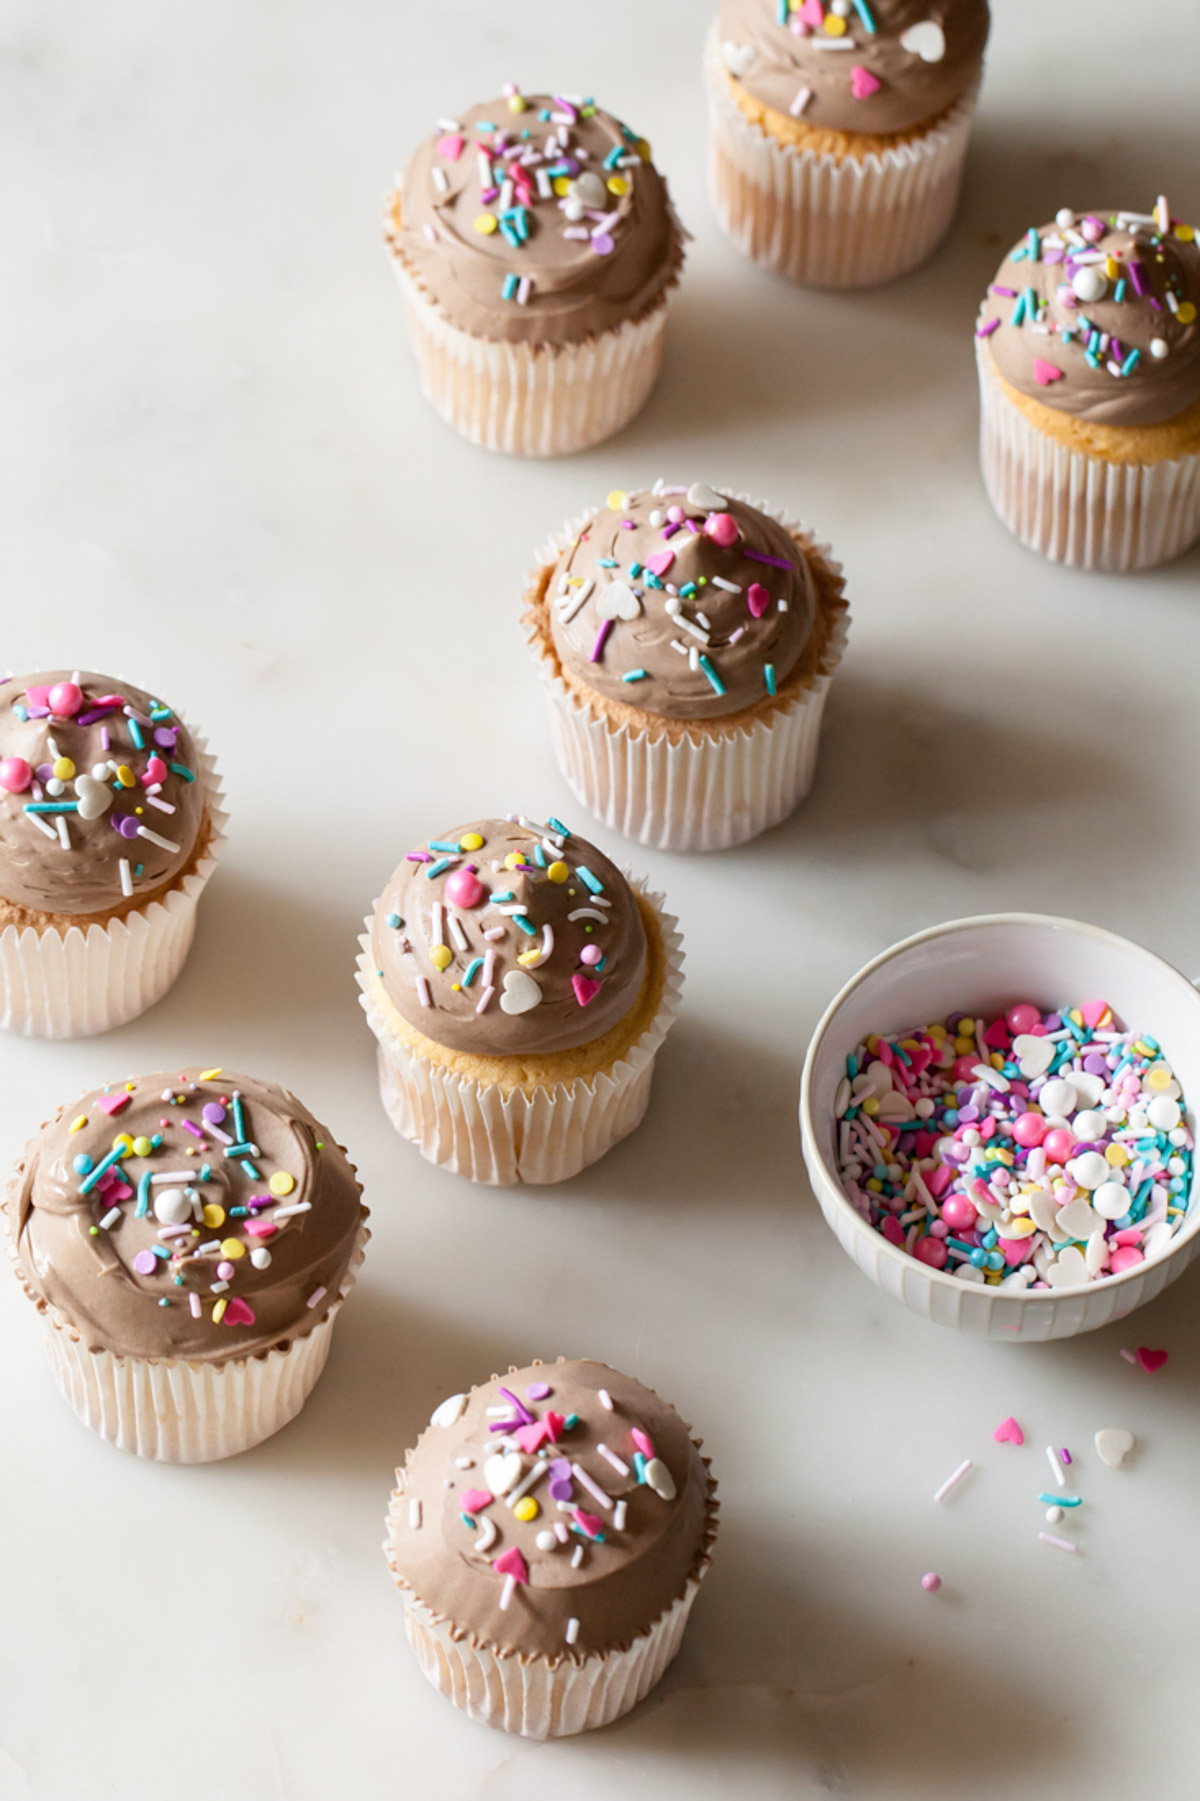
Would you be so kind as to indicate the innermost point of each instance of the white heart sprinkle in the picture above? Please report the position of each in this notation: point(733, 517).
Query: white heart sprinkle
point(617, 602)
point(926, 39)
point(736, 57)
point(705, 499)
point(589, 189)
point(521, 992)
point(95, 798)
point(1089, 1088)
point(1077, 1220)
point(1043, 1211)
point(1034, 1055)
point(503, 1471)
point(1069, 1270)
point(1113, 1445)
point(450, 1411)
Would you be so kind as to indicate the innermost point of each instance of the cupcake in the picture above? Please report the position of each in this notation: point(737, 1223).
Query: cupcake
point(1089, 371)
point(110, 825)
point(687, 640)
point(839, 130)
point(549, 1534)
point(519, 988)
point(535, 244)
point(227, 1227)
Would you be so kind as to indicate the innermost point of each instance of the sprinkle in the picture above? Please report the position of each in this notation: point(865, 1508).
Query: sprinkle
point(952, 1480)
point(605, 1399)
point(594, 1489)
point(1056, 1466)
point(1061, 1500)
point(1060, 1544)
point(296, 1207)
point(634, 675)
point(598, 647)
point(414, 1512)
point(769, 677)
point(577, 1557)
point(317, 1295)
point(423, 995)
point(717, 685)
point(572, 1630)
point(803, 96)
point(110, 1218)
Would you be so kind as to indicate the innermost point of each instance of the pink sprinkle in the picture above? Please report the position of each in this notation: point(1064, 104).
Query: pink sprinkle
point(315, 1298)
point(190, 1126)
point(194, 1304)
point(1045, 373)
point(145, 1263)
point(450, 146)
point(423, 992)
point(602, 244)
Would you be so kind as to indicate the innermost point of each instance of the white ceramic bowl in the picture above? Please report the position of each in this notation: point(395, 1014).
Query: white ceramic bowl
point(988, 964)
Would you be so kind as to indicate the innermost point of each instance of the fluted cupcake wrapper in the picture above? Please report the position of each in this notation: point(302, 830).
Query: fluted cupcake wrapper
point(534, 1697)
point(528, 399)
point(538, 1136)
point(175, 1411)
point(717, 789)
point(1078, 509)
point(77, 983)
point(824, 222)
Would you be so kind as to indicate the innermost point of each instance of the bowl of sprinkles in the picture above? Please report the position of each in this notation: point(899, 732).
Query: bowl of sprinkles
point(995, 1121)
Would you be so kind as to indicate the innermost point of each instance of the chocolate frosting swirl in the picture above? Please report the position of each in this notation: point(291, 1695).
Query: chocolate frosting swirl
point(873, 66)
point(686, 603)
point(1096, 315)
point(134, 1259)
point(601, 241)
point(620, 1557)
point(127, 766)
point(502, 938)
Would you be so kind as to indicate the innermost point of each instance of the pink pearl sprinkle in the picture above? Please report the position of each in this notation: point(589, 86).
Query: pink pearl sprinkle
point(225, 1271)
point(931, 1582)
point(590, 954)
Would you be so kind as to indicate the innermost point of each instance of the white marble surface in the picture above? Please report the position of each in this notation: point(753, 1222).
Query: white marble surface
point(215, 471)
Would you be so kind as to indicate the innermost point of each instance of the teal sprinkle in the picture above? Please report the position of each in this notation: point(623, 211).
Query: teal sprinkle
point(181, 769)
point(206, 1172)
point(572, 1421)
point(159, 713)
point(588, 879)
point(1131, 362)
point(635, 569)
point(444, 844)
point(539, 856)
point(467, 1521)
point(607, 563)
point(769, 677)
point(634, 675)
point(238, 1212)
point(393, 919)
point(861, 8)
point(519, 919)
point(135, 732)
point(717, 685)
point(558, 826)
point(1061, 1500)
point(506, 896)
point(160, 1251)
point(137, 872)
point(437, 868)
point(52, 806)
point(164, 1302)
point(1119, 290)
point(250, 1170)
point(472, 967)
point(639, 1464)
point(143, 1196)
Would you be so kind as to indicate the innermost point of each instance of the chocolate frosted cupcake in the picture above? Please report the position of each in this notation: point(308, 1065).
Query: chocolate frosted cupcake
point(110, 824)
point(519, 989)
point(535, 243)
point(188, 1241)
point(687, 640)
point(839, 130)
point(549, 1533)
point(1088, 348)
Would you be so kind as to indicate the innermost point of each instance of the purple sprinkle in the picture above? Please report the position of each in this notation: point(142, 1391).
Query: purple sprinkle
point(417, 856)
point(95, 714)
point(44, 771)
point(1065, 1454)
point(760, 556)
point(145, 1263)
point(526, 1416)
point(538, 1391)
point(1007, 293)
point(668, 531)
point(39, 713)
point(166, 736)
point(104, 740)
point(598, 646)
point(507, 1425)
point(1094, 1065)
point(602, 244)
point(125, 824)
point(1137, 275)
point(561, 1491)
point(213, 1112)
point(985, 331)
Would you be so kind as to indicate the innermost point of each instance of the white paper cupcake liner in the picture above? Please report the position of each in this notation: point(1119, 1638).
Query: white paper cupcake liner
point(1078, 509)
point(77, 983)
point(826, 223)
point(537, 1699)
point(708, 793)
point(537, 1136)
point(532, 400)
point(175, 1411)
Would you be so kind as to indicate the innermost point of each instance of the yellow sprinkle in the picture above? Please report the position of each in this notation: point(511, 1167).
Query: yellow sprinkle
point(643, 149)
point(558, 872)
point(936, 1032)
point(441, 956)
point(1019, 1228)
point(560, 184)
point(964, 1046)
point(214, 1216)
point(1006, 1157)
point(123, 1143)
point(1159, 1077)
point(873, 1043)
point(485, 224)
point(470, 841)
point(456, 987)
point(1185, 233)
point(209, 1075)
point(966, 1028)
point(142, 1147)
point(870, 1105)
point(617, 184)
point(64, 769)
point(232, 1248)
point(517, 103)
point(616, 501)
point(1186, 313)
point(874, 1183)
point(77, 1125)
point(516, 859)
point(125, 775)
point(1112, 268)
point(1075, 1017)
point(219, 1311)
point(526, 1509)
point(1117, 1155)
point(992, 1278)
point(996, 1060)
point(835, 27)
point(281, 1182)
point(527, 956)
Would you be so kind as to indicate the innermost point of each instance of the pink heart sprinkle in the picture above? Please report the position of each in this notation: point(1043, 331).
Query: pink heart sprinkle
point(1092, 1012)
point(586, 989)
point(588, 1522)
point(38, 696)
point(531, 1438)
point(474, 1500)
point(862, 83)
point(511, 1563)
point(940, 1179)
point(1044, 373)
point(758, 600)
point(112, 1103)
point(811, 14)
point(997, 1036)
point(450, 146)
point(156, 771)
point(660, 562)
point(238, 1313)
point(1008, 1432)
point(1151, 1360)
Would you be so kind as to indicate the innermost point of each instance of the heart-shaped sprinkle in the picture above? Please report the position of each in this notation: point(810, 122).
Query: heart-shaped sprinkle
point(95, 798)
point(1069, 1270)
point(450, 145)
point(474, 1500)
point(449, 1412)
point(112, 1103)
point(1045, 373)
point(238, 1312)
point(586, 989)
point(617, 602)
point(1008, 1432)
point(521, 992)
point(1151, 1360)
point(531, 1438)
point(660, 562)
point(757, 599)
point(925, 39)
point(1093, 1013)
point(588, 1522)
point(554, 1423)
point(736, 57)
point(511, 1563)
point(38, 696)
point(1077, 1220)
point(660, 1479)
point(811, 14)
point(704, 499)
point(1113, 1445)
point(862, 83)
point(1034, 1055)
point(503, 1471)
point(155, 772)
